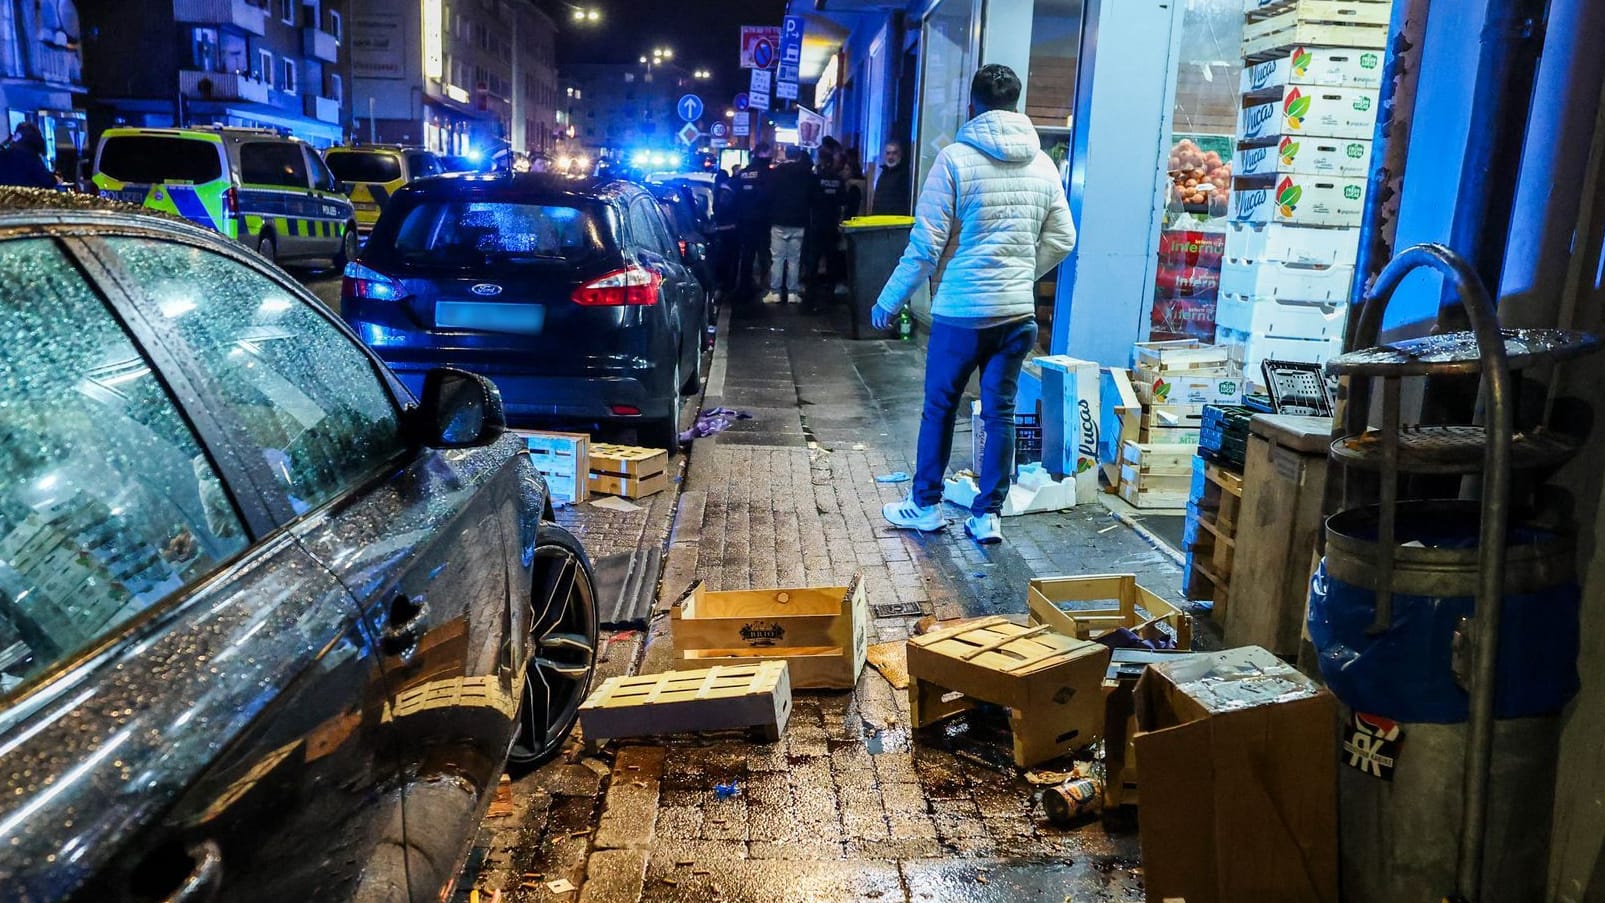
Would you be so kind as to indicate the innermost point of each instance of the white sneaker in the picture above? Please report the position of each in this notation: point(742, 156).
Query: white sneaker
point(986, 529)
point(771, 298)
point(910, 516)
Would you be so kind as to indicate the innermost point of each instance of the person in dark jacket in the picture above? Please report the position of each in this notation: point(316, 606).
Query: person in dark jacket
point(827, 208)
point(894, 185)
point(22, 161)
point(726, 232)
point(790, 189)
point(751, 187)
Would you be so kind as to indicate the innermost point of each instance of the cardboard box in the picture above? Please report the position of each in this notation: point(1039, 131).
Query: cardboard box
point(1121, 421)
point(1287, 281)
point(1194, 390)
point(1281, 319)
point(1307, 245)
point(563, 459)
point(1327, 67)
point(1306, 156)
point(1170, 435)
point(1126, 667)
point(1239, 767)
point(1070, 422)
point(1301, 201)
point(1307, 113)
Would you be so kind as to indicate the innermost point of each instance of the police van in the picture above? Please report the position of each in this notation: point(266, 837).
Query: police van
point(270, 191)
point(373, 172)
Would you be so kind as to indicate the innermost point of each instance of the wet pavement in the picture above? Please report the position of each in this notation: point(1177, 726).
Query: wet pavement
point(849, 805)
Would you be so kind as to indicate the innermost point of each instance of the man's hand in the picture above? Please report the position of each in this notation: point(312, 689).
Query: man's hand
point(883, 318)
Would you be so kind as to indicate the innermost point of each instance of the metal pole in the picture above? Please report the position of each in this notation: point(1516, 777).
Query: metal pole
point(373, 127)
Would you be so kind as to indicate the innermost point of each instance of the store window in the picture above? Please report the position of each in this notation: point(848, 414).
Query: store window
point(1050, 94)
point(949, 47)
point(1194, 210)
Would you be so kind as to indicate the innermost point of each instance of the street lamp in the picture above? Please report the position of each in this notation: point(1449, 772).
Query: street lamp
point(586, 15)
point(729, 114)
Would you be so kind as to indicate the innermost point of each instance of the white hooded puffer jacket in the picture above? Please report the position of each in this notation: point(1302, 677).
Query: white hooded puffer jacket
point(991, 219)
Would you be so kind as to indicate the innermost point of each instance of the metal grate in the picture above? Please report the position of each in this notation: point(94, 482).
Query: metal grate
point(1453, 449)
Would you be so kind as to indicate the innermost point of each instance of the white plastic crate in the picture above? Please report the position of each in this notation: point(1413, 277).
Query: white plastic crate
point(1252, 351)
point(1270, 318)
point(1288, 282)
point(1309, 245)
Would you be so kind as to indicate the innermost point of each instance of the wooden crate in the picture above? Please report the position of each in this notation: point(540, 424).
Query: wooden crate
point(1051, 683)
point(1181, 358)
point(1156, 476)
point(1128, 604)
point(821, 631)
point(563, 459)
point(628, 471)
point(755, 697)
point(1315, 23)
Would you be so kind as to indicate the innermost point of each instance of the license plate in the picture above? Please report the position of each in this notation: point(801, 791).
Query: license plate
point(519, 319)
point(363, 205)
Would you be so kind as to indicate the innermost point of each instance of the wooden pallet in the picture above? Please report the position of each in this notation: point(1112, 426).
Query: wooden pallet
point(1051, 683)
point(755, 697)
point(1133, 607)
point(1316, 23)
point(821, 631)
point(1212, 530)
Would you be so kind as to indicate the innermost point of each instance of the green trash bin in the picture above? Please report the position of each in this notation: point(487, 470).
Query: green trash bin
point(874, 245)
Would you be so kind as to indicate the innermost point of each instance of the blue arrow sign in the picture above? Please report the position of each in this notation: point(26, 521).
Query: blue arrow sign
point(690, 107)
point(763, 54)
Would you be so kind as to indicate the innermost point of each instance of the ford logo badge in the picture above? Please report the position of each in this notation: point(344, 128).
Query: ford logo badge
point(486, 290)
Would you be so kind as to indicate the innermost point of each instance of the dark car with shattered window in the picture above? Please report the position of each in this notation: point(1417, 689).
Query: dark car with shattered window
point(270, 626)
point(572, 296)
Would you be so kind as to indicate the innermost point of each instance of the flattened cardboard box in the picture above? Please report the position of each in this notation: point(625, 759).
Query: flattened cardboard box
point(1239, 781)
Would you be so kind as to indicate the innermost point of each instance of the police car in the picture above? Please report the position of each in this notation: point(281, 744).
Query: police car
point(373, 172)
point(270, 191)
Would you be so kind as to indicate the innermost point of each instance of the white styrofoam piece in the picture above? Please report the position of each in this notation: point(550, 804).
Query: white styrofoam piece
point(1308, 245)
point(1271, 318)
point(1289, 282)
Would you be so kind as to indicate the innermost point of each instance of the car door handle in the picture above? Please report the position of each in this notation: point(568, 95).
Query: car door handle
point(160, 876)
point(405, 624)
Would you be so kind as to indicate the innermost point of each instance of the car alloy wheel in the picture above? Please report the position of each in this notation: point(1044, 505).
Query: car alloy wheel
point(348, 247)
point(268, 249)
point(563, 646)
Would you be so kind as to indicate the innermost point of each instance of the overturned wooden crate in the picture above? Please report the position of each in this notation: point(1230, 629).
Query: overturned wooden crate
point(628, 471)
point(1089, 607)
point(755, 697)
point(822, 632)
point(1050, 682)
point(563, 460)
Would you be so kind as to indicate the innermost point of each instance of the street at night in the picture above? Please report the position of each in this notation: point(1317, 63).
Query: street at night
point(798, 451)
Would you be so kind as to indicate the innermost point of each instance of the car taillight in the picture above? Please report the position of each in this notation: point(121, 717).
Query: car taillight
point(369, 284)
point(633, 286)
point(682, 247)
point(231, 203)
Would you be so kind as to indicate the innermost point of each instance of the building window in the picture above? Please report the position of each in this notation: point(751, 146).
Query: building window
point(337, 26)
point(337, 88)
point(264, 67)
point(287, 11)
point(291, 81)
point(204, 44)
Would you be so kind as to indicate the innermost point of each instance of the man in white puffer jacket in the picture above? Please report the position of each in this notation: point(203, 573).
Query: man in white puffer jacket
point(991, 219)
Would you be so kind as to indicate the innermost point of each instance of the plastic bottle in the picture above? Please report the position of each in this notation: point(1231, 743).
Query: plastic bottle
point(905, 326)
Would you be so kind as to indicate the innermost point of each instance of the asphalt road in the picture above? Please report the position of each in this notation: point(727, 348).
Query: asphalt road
point(324, 282)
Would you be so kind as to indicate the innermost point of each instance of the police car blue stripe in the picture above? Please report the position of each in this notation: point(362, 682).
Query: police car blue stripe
point(190, 206)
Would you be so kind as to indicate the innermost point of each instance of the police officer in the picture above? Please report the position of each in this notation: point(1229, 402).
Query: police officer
point(752, 222)
point(827, 207)
point(22, 161)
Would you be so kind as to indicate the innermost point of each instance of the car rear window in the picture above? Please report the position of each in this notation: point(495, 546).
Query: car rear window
point(467, 232)
point(365, 167)
point(160, 158)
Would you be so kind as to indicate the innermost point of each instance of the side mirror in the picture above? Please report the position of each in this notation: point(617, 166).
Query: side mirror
point(343, 188)
point(459, 410)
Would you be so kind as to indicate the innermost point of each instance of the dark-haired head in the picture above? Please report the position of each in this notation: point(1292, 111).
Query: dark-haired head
point(994, 87)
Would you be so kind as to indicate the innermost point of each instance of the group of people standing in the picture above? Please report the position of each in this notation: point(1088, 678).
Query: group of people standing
point(782, 214)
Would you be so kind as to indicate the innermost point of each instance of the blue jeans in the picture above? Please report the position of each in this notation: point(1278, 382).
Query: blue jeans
point(954, 354)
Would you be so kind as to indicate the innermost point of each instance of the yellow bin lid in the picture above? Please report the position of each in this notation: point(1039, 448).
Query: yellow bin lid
point(878, 222)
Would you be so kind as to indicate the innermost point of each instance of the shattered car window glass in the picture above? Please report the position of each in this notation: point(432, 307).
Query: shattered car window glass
point(478, 231)
point(107, 504)
point(306, 396)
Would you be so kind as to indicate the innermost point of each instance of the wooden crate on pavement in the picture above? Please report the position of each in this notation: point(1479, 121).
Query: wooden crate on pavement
point(1156, 476)
point(628, 471)
point(1051, 683)
point(1211, 536)
point(822, 632)
point(1128, 604)
point(755, 697)
point(563, 460)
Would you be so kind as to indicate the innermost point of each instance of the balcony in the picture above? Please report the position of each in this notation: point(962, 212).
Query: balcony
point(320, 45)
point(238, 13)
point(322, 109)
point(221, 86)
